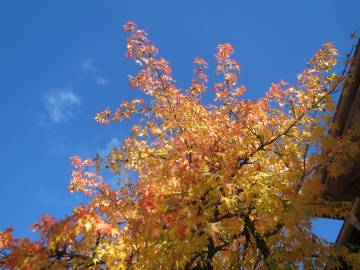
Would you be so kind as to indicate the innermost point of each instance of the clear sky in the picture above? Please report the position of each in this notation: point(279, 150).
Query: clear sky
point(63, 61)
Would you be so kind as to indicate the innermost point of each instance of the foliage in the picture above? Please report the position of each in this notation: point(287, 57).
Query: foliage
point(230, 185)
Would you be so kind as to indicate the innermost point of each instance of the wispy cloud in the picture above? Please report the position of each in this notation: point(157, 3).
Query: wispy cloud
point(88, 66)
point(61, 105)
point(101, 81)
point(113, 143)
point(108, 174)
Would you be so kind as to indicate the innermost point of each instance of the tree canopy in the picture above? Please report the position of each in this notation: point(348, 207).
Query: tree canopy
point(229, 185)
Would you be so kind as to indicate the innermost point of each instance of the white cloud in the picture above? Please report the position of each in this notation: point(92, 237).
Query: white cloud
point(61, 104)
point(113, 143)
point(88, 65)
point(101, 81)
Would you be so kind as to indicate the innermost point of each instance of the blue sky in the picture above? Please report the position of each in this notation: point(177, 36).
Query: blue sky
point(63, 61)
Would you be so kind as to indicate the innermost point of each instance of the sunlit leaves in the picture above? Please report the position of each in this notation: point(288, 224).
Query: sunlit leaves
point(230, 185)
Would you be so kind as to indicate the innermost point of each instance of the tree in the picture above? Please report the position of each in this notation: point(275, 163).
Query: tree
point(229, 185)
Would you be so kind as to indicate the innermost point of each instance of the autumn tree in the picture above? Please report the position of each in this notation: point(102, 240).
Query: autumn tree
point(228, 185)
